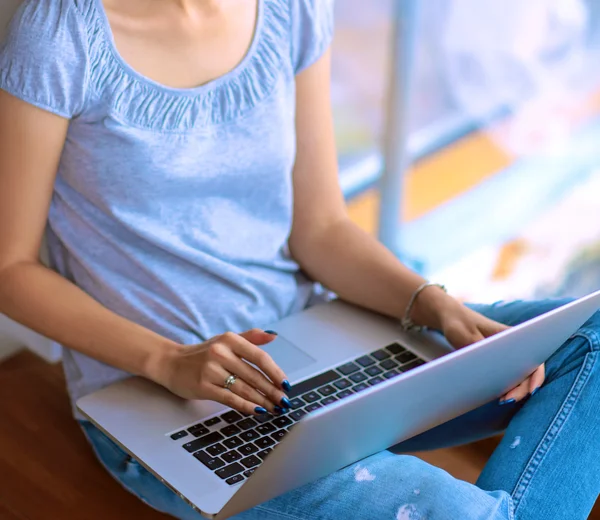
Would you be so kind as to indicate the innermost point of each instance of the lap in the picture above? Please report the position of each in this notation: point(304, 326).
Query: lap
point(385, 485)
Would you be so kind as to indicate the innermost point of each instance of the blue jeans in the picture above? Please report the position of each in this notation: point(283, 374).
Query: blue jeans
point(546, 467)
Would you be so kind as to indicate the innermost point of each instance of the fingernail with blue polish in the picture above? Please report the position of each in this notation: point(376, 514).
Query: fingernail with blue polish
point(507, 401)
point(535, 390)
point(272, 332)
point(286, 403)
point(260, 409)
point(278, 409)
point(286, 385)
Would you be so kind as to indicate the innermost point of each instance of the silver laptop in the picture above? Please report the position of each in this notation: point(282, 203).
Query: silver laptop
point(360, 385)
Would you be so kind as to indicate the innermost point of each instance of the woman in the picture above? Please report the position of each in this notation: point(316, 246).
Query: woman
point(182, 153)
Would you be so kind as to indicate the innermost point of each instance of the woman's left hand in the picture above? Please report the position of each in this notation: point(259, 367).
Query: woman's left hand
point(462, 326)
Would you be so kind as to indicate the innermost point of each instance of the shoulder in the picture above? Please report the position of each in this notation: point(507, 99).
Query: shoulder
point(45, 53)
point(312, 30)
point(49, 16)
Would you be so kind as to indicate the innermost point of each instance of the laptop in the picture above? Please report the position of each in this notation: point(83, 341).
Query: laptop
point(359, 385)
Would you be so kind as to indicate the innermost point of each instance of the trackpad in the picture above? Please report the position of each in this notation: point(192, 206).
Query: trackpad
point(289, 357)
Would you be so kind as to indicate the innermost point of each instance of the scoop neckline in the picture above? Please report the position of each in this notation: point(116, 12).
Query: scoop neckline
point(193, 91)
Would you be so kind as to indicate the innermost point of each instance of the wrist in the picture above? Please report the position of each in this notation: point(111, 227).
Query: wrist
point(158, 362)
point(430, 306)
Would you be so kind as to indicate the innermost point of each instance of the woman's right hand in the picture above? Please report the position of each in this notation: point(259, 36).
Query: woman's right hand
point(200, 372)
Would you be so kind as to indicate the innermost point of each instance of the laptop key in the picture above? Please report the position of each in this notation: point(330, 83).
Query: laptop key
point(326, 390)
point(263, 429)
point(312, 407)
point(344, 393)
point(208, 461)
point(233, 442)
point(359, 377)
point(388, 364)
point(380, 355)
point(366, 361)
point(264, 442)
point(372, 371)
point(278, 435)
point(248, 449)
point(249, 435)
point(246, 424)
point(360, 387)
point(248, 472)
point(375, 380)
point(231, 417)
point(281, 422)
point(263, 418)
point(297, 415)
point(231, 456)
point(179, 435)
point(341, 384)
point(198, 430)
point(413, 364)
point(311, 397)
point(230, 430)
point(203, 442)
point(329, 400)
point(234, 480)
point(297, 403)
point(263, 454)
point(391, 373)
point(230, 471)
point(395, 349)
point(216, 449)
point(405, 357)
point(251, 461)
point(212, 421)
point(312, 383)
point(348, 368)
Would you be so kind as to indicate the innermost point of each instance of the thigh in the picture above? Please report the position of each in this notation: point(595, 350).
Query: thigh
point(491, 418)
point(386, 486)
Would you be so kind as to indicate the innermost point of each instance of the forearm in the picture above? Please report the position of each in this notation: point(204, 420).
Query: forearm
point(360, 270)
point(42, 300)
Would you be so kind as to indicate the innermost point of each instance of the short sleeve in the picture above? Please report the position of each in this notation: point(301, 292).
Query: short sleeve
point(43, 59)
point(312, 31)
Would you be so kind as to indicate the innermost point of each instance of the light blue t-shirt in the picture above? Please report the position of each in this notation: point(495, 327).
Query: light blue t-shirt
point(172, 207)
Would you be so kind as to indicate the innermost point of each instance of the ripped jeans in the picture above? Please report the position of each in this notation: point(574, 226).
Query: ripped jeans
point(546, 467)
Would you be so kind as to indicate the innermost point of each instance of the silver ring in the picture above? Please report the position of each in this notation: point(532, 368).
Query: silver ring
point(229, 382)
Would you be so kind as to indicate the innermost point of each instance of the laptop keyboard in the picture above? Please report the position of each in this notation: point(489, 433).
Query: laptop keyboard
point(233, 444)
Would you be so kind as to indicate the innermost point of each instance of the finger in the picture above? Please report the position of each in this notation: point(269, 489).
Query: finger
point(460, 336)
point(245, 391)
point(241, 388)
point(250, 352)
point(257, 380)
point(258, 336)
point(231, 399)
point(517, 393)
point(537, 378)
point(490, 327)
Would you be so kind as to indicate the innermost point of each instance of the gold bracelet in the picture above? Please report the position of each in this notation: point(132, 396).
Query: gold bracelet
point(407, 323)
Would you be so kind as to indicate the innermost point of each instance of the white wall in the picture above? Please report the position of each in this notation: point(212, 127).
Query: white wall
point(14, 337)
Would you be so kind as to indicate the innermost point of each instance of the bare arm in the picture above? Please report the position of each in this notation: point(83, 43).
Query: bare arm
point(31, 142)
point(326, 243)
point(337, 253)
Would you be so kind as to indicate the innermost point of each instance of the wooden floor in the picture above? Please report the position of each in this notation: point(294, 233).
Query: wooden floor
point(47, 471)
